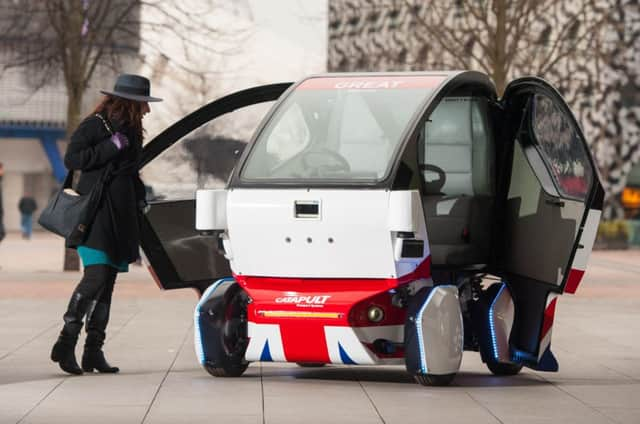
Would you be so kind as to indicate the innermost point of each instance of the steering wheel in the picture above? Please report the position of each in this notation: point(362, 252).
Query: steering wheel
point(315, 160)
point(434, 186)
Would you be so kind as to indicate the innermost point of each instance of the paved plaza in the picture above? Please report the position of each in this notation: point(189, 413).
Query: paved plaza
point(596, 339)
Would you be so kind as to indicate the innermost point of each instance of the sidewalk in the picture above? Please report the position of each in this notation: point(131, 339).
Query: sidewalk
point(40, 254)
point(33, 269)
point(595, 338)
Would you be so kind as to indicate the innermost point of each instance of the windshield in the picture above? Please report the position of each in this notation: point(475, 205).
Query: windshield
point(338, 129)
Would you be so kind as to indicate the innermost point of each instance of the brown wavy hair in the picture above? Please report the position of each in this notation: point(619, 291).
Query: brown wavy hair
point(125, 110)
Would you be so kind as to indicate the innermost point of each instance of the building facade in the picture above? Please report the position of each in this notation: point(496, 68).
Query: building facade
point(603, 89)
point(33, 101)
point(32, 137)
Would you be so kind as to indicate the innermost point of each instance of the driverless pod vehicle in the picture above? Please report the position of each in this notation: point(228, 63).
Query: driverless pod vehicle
point(385, 218)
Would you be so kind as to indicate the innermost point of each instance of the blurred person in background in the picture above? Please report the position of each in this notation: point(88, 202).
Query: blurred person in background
point(2, 232)
point(108, 139)
point(27, 207)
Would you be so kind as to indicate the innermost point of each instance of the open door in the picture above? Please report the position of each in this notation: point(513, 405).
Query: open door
point(552, 200)
point(555, 196)
point(178, 256)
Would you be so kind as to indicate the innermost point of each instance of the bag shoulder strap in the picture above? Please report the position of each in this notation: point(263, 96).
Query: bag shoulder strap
point(68, 180)
point(105, 123)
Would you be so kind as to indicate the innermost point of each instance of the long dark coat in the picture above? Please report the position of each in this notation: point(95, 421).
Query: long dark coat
point(116, 227)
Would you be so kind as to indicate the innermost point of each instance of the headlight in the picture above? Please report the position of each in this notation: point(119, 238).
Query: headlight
point(375, 314)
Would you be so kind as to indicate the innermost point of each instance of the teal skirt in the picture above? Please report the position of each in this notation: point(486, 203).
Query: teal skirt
point(91, 256)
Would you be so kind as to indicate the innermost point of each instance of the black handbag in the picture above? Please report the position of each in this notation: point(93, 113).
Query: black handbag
point(70, 214)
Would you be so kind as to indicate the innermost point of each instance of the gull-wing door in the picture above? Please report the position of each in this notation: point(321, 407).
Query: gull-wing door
point(554, 195)
point(178, 256)
point(551, 202)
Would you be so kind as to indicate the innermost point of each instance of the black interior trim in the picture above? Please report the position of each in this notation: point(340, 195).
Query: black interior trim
point(163, 266)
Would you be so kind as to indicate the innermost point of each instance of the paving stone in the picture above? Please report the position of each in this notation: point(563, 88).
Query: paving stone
point(150, 338)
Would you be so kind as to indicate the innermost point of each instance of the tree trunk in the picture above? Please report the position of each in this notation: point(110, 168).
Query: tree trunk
point(71, 260)
point(499, 57)
point(74, 79)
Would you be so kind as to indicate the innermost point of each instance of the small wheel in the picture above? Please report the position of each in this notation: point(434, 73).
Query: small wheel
point(311, 364)
point(498, 368)
point(229, 370)
point(233, 337)
point(434, 380)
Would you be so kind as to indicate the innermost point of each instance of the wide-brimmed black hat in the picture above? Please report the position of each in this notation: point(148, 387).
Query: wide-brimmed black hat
point(132, 87)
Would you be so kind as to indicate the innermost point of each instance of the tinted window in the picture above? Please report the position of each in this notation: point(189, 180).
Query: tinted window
point(562, 148)
point(337, 129)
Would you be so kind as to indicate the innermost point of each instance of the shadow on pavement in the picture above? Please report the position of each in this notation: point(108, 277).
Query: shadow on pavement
point(387, 375)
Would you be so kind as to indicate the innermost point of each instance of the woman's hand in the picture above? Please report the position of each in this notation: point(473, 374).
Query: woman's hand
point(143, 206)
point(120, 140)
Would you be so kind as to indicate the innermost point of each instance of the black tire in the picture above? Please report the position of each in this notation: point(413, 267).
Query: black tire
point(311, 364)
point(498, 368)
point(434, 380)
point(233, 336)
point(229, 370)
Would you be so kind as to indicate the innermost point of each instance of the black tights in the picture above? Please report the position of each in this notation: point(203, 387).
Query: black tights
point(97, 283)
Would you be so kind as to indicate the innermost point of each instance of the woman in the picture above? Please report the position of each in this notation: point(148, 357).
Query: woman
point(109, 140)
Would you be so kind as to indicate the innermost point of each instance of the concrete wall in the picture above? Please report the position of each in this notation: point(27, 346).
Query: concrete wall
point(25, 162)
point(26, 169)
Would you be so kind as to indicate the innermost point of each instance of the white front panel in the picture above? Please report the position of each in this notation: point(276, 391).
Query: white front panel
point(211, 210)
point(401, 217)
point(350, 237)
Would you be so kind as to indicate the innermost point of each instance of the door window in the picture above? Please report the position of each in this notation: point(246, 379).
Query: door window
point(458, 148)
point(562, 148)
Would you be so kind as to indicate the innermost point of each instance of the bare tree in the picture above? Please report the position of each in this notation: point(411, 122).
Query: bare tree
point(503, 37)
point(610, 106)
point(586, 48)
point(74, 39)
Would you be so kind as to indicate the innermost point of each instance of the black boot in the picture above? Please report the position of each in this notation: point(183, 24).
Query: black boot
point(93, 356)
point(63, 351)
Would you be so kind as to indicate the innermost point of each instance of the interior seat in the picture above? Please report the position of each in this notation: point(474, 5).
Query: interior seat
point(456, 159)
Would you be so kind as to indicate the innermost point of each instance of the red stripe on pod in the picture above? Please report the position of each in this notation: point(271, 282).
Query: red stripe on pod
point(319, 302)
point(549, 314)
point(573, 281)
point(303, 342)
